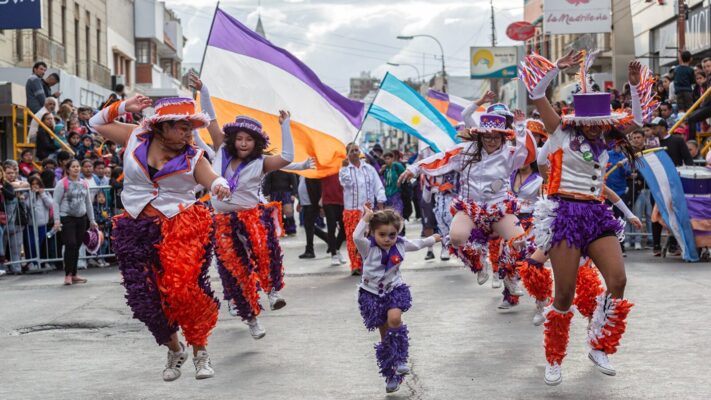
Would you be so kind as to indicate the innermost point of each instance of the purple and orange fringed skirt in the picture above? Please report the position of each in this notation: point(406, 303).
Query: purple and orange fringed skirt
point(576, 222)
point(164, 265)
point(374, 308)
point(249, 255)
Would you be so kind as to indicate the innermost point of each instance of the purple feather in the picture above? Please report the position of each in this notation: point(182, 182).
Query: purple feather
point(374, 308)
point(276, 265)
point(393, 351)
point(134, 242)
point(581, 223)
point(204, 277)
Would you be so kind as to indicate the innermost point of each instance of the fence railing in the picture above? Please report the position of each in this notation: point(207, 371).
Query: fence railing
point(27, 240)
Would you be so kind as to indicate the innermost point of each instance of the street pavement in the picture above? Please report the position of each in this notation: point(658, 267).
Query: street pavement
point(80, 342)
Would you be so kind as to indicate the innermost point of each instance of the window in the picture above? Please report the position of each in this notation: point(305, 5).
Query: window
point(64, 24)
point(98, 41)
point(143, 52)
point(50, 19)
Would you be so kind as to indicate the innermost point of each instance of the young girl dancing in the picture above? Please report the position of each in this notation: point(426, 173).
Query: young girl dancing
point(573, 221)
point(246, 231)
point(382, 294)
point(163, 242)
point(485, 205)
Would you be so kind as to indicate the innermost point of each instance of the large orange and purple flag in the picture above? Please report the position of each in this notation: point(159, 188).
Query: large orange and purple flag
point(248, 75)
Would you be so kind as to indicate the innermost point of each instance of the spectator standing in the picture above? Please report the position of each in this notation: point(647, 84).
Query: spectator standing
point(86, 147)
point(667, 113)
point(39, 203)
point(7, 196)
point(49, 107)
point(617, 180)
point(35, 87)
point(391, 171)
point(48, 167)
point(16, 214)
point(73, 211)
point(85, 114)
point(281, 186)
point(332, 202)
point(74, 141)
point(639, 194)
point(704, 110)
point(693, 146)
point(116, 184)
point(309, 191)
point(683, 81)
point(102, 216)
point(25, 166)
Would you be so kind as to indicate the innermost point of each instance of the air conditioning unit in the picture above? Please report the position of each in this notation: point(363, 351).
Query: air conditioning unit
point(117, 80)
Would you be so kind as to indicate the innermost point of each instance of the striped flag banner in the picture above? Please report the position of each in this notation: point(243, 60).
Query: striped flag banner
point(400, 106)
point(451, 106)
point(248, 75)
point(664, 182)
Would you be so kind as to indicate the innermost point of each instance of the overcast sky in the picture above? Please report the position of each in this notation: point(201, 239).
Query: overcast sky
point(340, 38)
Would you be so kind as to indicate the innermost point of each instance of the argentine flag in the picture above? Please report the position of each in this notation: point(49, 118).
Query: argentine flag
point(401, 107)
point(665, 184)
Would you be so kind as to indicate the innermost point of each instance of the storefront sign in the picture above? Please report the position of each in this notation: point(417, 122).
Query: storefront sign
point(697, 30)
point(577, 16)
point(20, 14)
point(493, 62)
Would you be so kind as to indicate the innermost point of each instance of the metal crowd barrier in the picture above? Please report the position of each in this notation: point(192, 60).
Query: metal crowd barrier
point(34, 247)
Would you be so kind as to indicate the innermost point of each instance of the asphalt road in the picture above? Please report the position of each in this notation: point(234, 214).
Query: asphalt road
point(80, 342)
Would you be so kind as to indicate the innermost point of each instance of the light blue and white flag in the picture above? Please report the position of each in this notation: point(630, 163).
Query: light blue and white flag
point(401, 107)
point(665, 184)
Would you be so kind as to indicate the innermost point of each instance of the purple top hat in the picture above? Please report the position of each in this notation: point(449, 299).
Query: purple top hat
point(93, 239)
point(592, 104)
point(247, 124)
point(492, 122)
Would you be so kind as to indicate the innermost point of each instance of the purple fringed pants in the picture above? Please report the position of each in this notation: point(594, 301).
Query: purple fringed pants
point(392, 352)
point(582, 222)
point(374, 308)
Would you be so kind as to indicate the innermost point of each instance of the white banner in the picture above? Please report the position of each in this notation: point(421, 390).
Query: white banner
point(577, 16)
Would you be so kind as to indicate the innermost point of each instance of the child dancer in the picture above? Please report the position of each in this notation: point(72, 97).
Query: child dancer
point(163, 242)
point(445, 188)
point(382, 294)
point(485, 205)
point(573, 222)
point(246, 231)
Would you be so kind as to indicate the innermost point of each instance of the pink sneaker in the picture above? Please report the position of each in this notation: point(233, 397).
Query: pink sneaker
point(78, 279)
point(68, 280)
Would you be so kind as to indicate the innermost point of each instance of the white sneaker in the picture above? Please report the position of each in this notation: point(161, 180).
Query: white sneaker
point(538, 318)
point(255, 329)
point(93, 262)
point(505, 305)
point(175, 361)
point(335, 260)
point(2, 272)
point(232, 307)
point(553, 375)
point(512, 284)
point(638, 246)
point(627, 245)
point(495, 281)
point(444, 254)
point(275, 300)
point(341, 257)
point(402, 369)
point(599, 358)
point(203, 369)
point(482, 276)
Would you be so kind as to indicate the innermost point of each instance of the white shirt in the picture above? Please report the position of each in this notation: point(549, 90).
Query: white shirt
point(377, 277)
point(246, 194)
point(483, 181)
point(360, 185)
point(528, 192)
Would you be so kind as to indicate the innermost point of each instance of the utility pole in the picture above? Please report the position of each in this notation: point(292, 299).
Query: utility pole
point(681, 26)
point(494, 82)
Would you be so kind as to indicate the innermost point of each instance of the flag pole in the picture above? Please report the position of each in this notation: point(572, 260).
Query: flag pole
point(360, 128)
point(639, 154)
point(212, 25)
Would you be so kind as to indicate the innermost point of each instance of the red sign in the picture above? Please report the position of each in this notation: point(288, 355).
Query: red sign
point(520, 30)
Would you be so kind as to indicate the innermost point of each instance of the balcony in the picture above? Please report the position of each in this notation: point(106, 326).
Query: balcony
point(33, 46)
point(101, 75)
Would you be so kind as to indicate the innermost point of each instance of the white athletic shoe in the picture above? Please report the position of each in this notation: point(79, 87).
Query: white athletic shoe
point(232, 307)
point(444, 254)
point(538, 318)
point(599, 358)
point(402, 369)
point(512, 284)
point(2, 272)
point(482, 276)
point(505, 305)
point(341, 257)
point(175, 361)
point(255, 329)
point(495, 280)
point(203, 368)
point(553, 375)
point(638, 246)
point(275, 300)
point(335, 260)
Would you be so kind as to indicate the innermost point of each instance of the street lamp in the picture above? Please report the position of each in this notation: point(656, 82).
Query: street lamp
point(419, 78)
point(441, 49)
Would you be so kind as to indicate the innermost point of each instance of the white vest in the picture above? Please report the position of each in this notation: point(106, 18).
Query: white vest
point(171, 189)
point(246, 194)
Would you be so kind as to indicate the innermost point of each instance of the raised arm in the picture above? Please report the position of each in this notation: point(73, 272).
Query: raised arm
point(468, 113)
point(361, 242)
point(118, 132)
point(309, 163)
point(206, 106)
point(437, 164)
point(273, 163)
point(418, 244)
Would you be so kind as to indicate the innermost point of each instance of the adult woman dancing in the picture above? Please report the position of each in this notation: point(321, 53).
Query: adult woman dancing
point(485, 205)
point(573, 221)
point(246, 231)
point(163, 241)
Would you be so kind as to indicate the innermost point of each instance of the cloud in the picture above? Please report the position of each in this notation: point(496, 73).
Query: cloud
point(340, 38)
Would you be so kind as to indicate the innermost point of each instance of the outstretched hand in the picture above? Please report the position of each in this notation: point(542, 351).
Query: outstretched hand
point(634, 72)
point(283, 116)
point(487, 97)
point(404, 177)
point(195, 81)
point(636, 223)
point(138, 103)
point(569, 59)
point(367, 213)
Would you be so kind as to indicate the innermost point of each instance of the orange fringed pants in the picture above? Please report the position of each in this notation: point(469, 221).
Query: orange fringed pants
point(350, 220)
